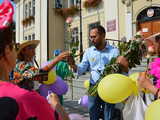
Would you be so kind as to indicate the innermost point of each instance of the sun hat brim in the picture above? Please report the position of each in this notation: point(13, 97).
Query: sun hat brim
point(26, 43)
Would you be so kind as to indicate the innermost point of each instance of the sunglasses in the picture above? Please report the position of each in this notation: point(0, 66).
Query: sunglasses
point(31, 47)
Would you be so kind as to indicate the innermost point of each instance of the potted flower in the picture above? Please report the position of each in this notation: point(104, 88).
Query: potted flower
point(71, 11)
point(28, 20)
point(24, 22)
point(91, 3)
point(31, 18)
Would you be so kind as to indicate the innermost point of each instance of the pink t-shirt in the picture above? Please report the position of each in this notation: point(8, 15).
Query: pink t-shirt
point(31, 104)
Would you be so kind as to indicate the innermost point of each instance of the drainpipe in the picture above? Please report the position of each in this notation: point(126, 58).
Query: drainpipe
point(47, 29)
point(81, 43)
point(118, 26)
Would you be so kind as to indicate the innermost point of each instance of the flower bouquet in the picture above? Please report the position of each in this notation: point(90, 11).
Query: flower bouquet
point(154, 71)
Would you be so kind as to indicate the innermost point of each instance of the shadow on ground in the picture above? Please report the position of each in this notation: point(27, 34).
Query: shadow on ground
point(72, 106)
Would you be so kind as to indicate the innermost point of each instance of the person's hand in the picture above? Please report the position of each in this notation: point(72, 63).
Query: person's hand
point(54, 100)
point(144, 81)
point(70, 60)
point(124, 62)
point(158, 95)
point(63, 55)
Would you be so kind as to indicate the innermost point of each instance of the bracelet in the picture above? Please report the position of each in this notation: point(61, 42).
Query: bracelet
point(157, 92)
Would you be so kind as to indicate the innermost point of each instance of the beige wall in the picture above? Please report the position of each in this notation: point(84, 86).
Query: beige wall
point(122, 26)
point(56, 30)
point(111, 13)
point(88, 17)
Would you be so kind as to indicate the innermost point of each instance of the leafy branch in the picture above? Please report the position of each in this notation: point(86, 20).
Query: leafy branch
point(132, 51)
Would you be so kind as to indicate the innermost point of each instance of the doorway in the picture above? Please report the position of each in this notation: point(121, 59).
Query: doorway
point(149, 21)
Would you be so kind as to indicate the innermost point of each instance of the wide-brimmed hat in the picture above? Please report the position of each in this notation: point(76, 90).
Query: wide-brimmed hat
point(26, 43)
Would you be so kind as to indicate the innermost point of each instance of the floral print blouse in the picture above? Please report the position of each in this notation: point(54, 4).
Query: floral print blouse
point(24, 70)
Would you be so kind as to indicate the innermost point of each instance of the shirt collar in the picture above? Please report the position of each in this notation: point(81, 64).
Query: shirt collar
point(106, 47)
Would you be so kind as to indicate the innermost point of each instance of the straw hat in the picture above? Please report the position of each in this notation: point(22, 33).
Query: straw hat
point(26, 43)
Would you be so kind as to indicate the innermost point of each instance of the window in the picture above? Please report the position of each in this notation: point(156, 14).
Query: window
point(58, 4)
point(25, 38)
point(30, 8)
point(90, 27)
point(73, 2)
point(26, 11)
point(33, 36)
point(75, 35)
point(33, 7)
point(29, 37)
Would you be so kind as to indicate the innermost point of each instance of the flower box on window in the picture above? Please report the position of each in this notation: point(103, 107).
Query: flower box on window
point(31, 18)
point(27, 20)
point(91, 3)
point(24, 23)
point(67, 11)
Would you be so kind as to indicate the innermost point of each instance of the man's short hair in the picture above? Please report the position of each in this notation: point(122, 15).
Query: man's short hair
point(100, 29)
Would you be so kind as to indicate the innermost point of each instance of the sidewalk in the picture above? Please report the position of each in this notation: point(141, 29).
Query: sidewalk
point(73, 95)
point(71, 106)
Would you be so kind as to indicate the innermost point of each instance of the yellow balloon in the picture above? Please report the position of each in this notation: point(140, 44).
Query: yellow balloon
point(86, 84)
point(51, 78)
point(153, 111)
point(115, 88)
point(134, 78)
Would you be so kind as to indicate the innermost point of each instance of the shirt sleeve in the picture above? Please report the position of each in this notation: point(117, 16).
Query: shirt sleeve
point(115, 52)
point(83, 66)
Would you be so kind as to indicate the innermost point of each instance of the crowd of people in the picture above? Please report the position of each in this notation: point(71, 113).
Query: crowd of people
point(20, 101)
point(27, 104)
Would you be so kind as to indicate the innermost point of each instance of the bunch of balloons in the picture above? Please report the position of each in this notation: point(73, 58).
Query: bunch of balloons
point(54, 84)
point(59, 87)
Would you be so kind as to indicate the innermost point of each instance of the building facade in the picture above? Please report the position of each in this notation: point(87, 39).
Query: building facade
point(36, 19)
point(123, 18)
point(89, 18)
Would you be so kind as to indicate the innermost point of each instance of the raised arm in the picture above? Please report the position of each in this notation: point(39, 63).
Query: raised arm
point(60, 57)
point(145, 82)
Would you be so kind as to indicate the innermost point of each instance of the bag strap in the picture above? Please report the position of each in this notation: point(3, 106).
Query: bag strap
point(36, 63)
